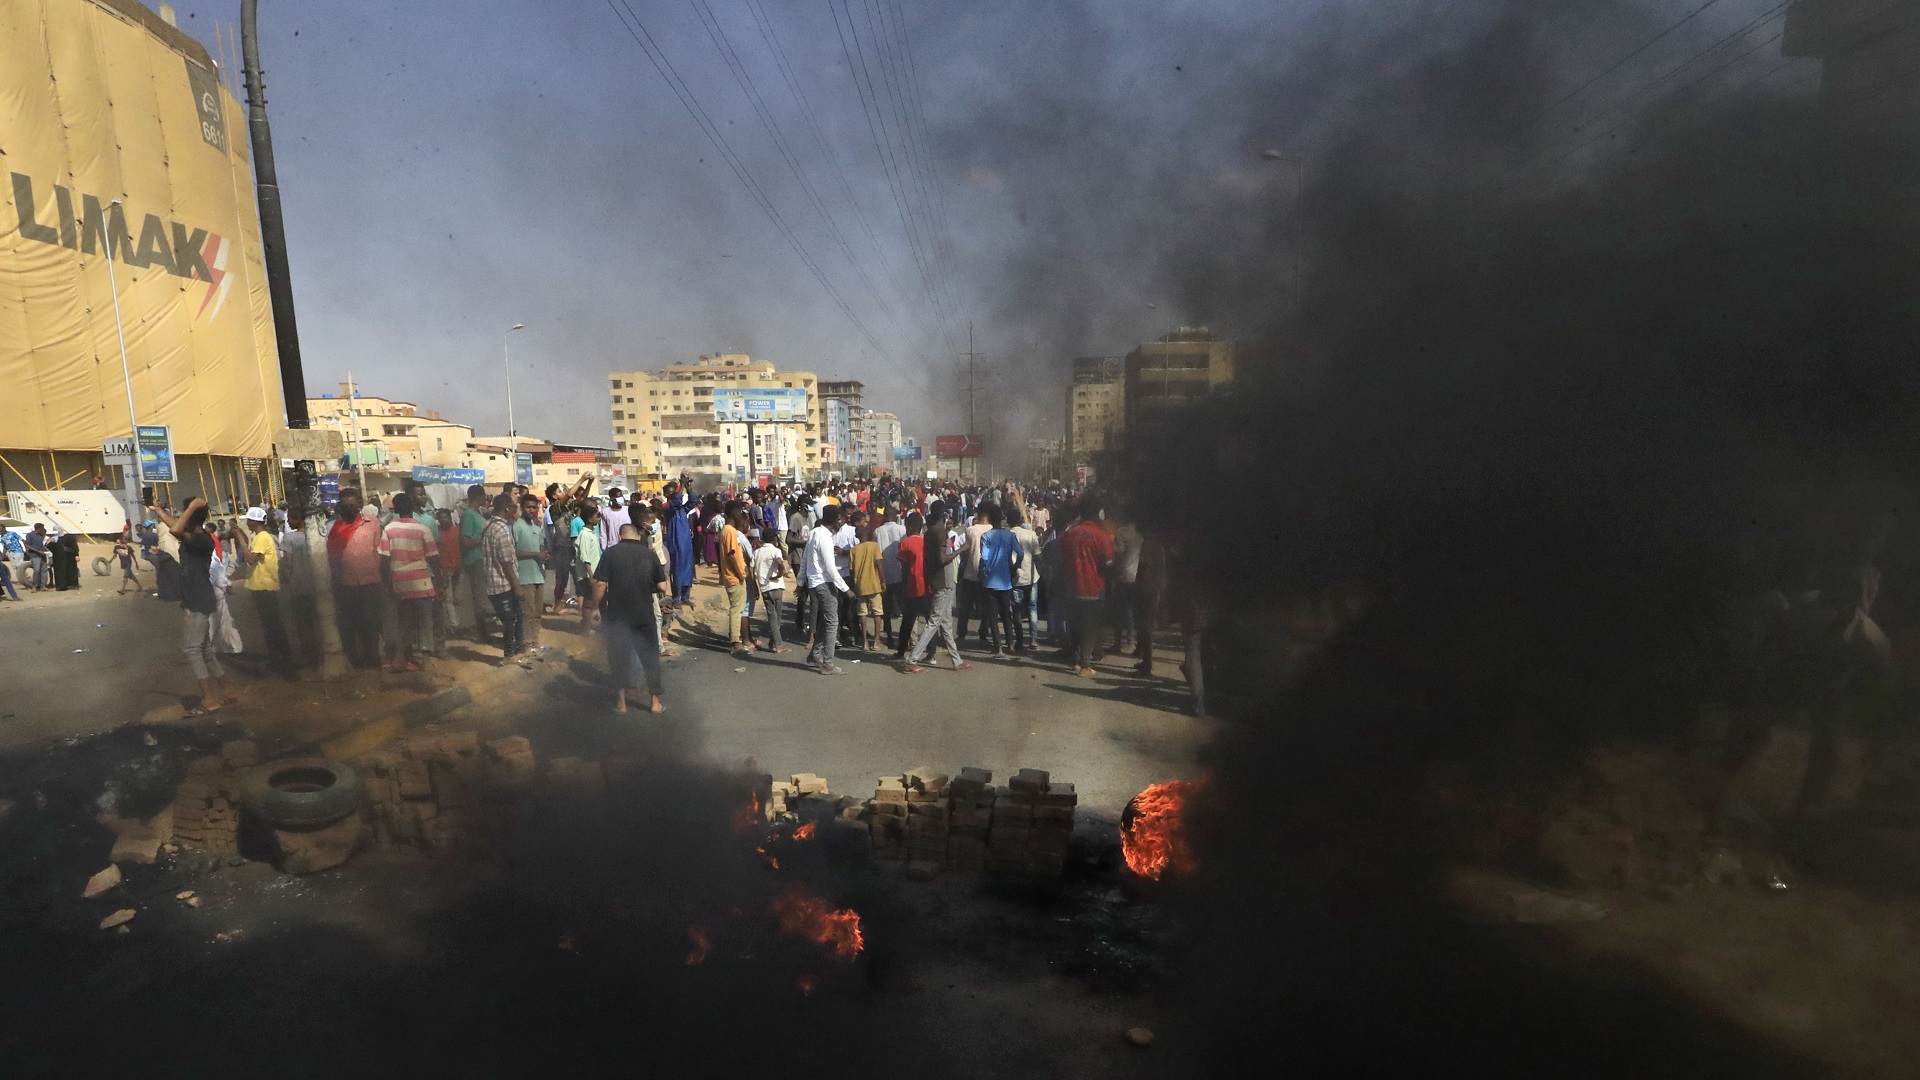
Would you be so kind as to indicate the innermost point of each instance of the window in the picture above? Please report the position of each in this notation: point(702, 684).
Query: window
point(629, 386)
point(616, 384)
point(629, 401)
point(651, 393)
point(788, 384)
point(622, 446)
point(676, 393)
point(618, 415)
point(619, 431)
point(363, 433)
point(656, 408)
point(439, 444)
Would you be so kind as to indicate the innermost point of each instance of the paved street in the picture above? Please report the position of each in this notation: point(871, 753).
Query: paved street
point(1112, 735)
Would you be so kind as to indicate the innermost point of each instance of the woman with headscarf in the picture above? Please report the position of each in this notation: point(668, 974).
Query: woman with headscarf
point(677, 532)
point(66, 561)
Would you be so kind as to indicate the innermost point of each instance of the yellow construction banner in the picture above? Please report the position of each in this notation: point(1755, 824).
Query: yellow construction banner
point(121, 143)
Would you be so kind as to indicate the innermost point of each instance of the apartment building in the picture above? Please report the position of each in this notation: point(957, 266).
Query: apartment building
point(663, 422)
point(1096, 394)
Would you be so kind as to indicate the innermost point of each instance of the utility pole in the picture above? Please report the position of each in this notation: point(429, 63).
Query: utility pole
point(273, 227)
point(286, 334)
point(972, 387)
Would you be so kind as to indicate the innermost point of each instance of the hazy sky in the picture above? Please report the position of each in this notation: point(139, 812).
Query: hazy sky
point(450, 169)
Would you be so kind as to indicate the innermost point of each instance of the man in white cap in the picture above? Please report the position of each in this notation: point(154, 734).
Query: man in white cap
point(263, 584)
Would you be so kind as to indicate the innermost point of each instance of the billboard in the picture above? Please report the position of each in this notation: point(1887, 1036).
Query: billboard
point(122, 144)
point(738, 406)
point(523, 469)
point(906, 453)
point(958, 446)
point(154, 444)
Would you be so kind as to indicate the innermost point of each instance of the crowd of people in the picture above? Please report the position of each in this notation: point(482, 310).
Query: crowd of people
point(42, 561)
point(885, 567)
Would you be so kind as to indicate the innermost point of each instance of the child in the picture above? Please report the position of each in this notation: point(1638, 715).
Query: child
point(123, 551)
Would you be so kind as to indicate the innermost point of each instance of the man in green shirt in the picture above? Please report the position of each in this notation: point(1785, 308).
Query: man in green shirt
point(473, 522)
point(530, 546)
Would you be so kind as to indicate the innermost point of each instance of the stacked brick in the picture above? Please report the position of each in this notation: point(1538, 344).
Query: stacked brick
point(425, 793)
point(970, 815)
point(205, 814)
point(966, 824)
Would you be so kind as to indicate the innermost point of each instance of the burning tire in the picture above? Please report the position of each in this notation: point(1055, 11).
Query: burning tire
point(302, 792)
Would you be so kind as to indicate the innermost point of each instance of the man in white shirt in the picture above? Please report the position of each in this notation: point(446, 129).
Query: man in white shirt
point(888, 536)
point(971, 599)
point(828, 586)
point(770, 578)
point(1027, 575)
point(613, 515)
point(844, 539)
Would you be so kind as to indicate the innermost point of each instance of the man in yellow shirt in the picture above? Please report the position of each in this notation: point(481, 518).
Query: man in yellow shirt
point(733, 577)
point(263, 584)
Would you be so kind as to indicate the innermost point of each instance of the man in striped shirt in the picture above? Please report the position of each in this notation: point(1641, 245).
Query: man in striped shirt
point(406, 550)
point(500, 573)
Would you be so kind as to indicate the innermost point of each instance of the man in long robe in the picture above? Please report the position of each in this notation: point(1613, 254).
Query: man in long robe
point(678, 533)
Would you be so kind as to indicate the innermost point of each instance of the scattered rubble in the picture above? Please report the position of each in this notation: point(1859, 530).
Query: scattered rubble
point(1139, 1036)
point(203, 811)
point(101, 883)
point(138, 840)
point(118, 918)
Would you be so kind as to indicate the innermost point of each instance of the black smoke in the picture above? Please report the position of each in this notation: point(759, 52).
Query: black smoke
point(1561, 413)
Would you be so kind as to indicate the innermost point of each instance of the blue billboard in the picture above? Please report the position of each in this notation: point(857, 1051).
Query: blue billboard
point(906, 453)
point(767, 406)
point(433, 474)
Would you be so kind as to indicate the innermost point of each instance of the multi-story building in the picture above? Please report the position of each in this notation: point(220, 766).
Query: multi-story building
point(875, 434)
point(837, 426)
point(1095, 398)
point(663, 422)
point(848, 391)
point(390, 436)
point(1185, 365)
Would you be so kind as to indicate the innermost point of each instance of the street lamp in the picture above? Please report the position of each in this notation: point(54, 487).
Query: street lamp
point(508, 355)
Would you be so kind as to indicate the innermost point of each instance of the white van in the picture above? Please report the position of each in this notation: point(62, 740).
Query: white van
point(95, 513)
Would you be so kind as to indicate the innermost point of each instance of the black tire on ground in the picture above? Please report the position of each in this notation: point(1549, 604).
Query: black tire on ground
point(102, 566)
point(302, 792)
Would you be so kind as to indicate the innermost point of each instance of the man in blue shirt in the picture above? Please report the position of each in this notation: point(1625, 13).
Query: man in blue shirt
point(1000, 556)
point(36, 544)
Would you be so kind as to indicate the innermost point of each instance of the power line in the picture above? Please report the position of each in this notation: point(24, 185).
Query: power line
point(744, 79)
point(1623, 61)
point(894, 83)
point(862, 81)
point(657, 56)
point(1546, 152)
point(1675, 93)
point(917, 114)
point(770, 35)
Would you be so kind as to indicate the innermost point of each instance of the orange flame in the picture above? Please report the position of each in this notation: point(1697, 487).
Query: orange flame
point(1152, 833)
point(804, 832)
point(772, 861)
point(700, 945)
point(815, 920)
point(748, 816)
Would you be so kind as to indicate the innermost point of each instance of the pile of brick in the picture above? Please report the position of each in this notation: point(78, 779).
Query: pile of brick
point(1032, 822)
point(425, 791)
point(206, 816)
point(966, 824)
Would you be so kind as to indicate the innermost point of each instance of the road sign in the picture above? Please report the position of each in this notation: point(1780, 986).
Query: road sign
point(958, 446)
point(433, 474)
point(768, 406)
point(154, 443)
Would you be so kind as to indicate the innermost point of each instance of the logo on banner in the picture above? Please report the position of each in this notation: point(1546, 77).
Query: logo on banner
point(193, 254)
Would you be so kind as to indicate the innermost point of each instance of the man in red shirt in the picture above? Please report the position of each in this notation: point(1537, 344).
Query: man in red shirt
point(913, 581)
point(1086, 550)
point(353, 551)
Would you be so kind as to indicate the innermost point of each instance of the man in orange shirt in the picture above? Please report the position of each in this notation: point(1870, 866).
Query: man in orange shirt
point(733, 577)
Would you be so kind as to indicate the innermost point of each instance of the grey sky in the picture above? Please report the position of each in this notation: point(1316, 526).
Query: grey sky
point(450, 169)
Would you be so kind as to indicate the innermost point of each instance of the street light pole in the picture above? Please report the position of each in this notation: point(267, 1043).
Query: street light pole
point(508, 355)
point(132, 476)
